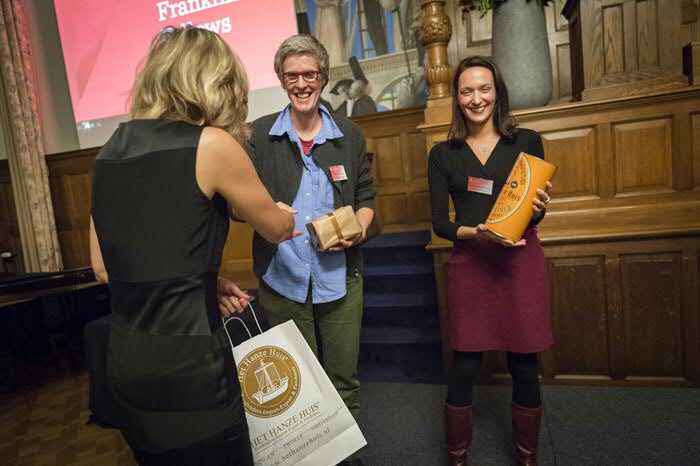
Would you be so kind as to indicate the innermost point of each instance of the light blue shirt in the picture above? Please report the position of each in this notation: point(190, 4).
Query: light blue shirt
point(297, 262)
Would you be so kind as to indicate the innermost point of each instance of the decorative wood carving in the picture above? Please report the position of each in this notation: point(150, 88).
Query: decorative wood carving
point(436, 31)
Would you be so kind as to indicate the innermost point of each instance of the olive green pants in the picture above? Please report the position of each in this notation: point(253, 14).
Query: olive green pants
point(338, 325)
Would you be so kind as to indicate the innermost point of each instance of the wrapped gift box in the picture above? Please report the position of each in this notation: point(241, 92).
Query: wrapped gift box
point(327, 231)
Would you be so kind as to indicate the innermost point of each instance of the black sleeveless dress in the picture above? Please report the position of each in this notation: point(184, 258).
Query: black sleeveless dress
point(169, 363)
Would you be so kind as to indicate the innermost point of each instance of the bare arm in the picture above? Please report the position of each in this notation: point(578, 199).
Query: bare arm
point(224, 167)
point(98, 265)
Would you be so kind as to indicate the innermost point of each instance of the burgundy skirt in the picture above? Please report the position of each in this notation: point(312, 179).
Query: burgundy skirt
point(498, 297)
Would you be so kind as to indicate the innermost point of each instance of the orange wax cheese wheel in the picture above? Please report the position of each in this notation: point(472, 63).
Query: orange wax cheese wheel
point(512, 212)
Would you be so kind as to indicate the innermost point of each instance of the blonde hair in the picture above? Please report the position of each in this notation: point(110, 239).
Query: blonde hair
point(191, 74)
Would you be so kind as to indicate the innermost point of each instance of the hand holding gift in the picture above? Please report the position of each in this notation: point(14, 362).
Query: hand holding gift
point(336, 231)
point(540, 202)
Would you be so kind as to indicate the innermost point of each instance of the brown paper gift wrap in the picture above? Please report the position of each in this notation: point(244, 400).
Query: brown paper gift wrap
point(327, 231)
point(512, 212)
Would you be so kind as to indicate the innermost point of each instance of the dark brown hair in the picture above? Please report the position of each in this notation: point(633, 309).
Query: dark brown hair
point(502, 119)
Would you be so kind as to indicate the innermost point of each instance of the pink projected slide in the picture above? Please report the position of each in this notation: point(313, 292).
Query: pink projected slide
point(104, 41)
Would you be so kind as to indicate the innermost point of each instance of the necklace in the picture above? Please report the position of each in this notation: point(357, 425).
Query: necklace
point(482, 148)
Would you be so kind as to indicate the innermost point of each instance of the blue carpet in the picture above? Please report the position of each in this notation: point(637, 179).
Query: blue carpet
point(400, 339)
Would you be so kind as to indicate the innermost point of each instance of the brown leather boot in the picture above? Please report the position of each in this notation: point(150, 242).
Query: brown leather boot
point(458, 426)
point(526, 430)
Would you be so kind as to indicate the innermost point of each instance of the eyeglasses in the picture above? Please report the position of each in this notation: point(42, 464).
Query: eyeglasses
point(166, 33)
point(308, 76)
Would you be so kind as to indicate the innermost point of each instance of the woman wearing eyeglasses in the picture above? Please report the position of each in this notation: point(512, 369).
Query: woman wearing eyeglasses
point(315, 163)
point(159, 224)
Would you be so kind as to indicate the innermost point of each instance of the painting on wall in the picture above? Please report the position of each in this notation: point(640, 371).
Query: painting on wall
point(376, 59)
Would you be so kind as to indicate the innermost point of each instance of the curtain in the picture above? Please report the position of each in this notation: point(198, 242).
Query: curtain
point(28, 170)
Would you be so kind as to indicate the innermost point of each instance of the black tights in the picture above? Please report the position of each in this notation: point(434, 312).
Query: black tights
point(522, 367)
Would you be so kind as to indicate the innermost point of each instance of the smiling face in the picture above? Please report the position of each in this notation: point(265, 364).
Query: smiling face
point(303, 94)
point(477, 95)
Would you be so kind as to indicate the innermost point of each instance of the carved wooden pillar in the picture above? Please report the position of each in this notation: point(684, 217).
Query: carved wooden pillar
point(435, 34)
point(436, 31)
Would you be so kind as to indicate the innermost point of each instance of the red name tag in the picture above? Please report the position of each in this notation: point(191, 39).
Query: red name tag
point(338, 173)
point(480, 185)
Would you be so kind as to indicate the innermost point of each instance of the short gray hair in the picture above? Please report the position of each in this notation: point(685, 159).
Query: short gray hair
point(302, 44)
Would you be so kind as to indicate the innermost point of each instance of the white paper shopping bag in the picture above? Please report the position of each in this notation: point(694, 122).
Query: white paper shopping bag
point(295, 415)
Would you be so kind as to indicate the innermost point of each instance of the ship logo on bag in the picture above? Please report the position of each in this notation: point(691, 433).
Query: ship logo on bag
point(269, 379)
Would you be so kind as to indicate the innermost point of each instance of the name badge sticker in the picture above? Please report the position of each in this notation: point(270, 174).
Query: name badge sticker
point(338, 173)
point(480, 185)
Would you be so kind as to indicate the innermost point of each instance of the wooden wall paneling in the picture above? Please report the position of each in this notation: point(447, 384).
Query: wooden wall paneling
point(62, 206)
point(616, 328)
point(409, 156)
point(579, 317)
point(694, 145)
point(681, 152)
point(691, 312)
point(593, 48)
point(606, 158)
point(576, 54)
point(668, 19)
point(391, 201)
point(651, 293)
point(399, 168)
point(237, 259)
point(573, 151)
point(636, 36)
point(643, 155)
point(627, 47)
point(614, 39)
point(80, 189)
point(393, 209)
point(690, 24)
point(547, 365)
point(70, 179)
point(647, 27)
point(558, 35)
point(8, 214)
point(418, 198)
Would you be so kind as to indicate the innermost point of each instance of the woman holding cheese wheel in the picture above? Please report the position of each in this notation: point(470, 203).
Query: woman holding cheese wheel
point(497, 289)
